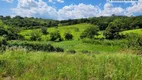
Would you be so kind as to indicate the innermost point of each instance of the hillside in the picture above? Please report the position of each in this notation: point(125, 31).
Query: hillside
point(137, 31)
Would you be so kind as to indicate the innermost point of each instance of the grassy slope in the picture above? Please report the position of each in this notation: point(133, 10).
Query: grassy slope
point(62, 30)
point(75, 44)
point(79, 46)
point(138, 31)
point(23, 65)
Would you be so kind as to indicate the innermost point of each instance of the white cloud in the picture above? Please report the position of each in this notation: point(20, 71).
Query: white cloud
point(78, 11)
point(39, 8)
point(9, 1)
point(54, 1)
point(135, 8)
point(60, 1)
point(109, 9)
point(29, 8)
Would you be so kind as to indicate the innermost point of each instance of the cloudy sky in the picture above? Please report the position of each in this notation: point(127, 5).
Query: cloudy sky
point(68, 9)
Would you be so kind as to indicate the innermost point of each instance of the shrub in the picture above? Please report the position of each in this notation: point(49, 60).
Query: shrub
point(76, 29)
point(140, 41)
point(68, 36)
point(134, 40)
point(14, 36)
point(58, 49)
point(71, 51)
point(38, 47)
point(90, 32)
point(44, 30)
point(55, 36)
point(2, 41)
point(85, 51)
point(3, 31)
point(35, 36)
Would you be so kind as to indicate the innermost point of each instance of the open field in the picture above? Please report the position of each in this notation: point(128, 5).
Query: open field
point(21, 65)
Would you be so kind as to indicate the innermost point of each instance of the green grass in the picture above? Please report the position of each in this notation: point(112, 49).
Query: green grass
point(79, 46)
point(76, 45)
point(21, 65)
point(75, 30)
point(137, 31)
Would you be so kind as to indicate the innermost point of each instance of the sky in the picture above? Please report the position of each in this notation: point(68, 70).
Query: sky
point(69, 9)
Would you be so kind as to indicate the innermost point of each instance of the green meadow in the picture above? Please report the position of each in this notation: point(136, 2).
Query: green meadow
point(20, 64)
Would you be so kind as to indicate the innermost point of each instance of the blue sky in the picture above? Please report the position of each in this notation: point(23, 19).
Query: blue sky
point(68, 9)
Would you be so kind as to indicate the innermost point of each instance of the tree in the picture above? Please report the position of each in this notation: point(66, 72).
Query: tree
point(68, 36)
point(44, 30)
point(3, 31)
point(55, 36)
point(35, 36)
point(113, 29)
point(90, 32)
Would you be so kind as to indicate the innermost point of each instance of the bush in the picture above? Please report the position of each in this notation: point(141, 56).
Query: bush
point(71, 51)
point(3, 41)
point(3, 31)
point(68, 36)
point(55, 36)
point(85, 51)
point(76, 29)
point(134, 40)
point(140, 41)
point(38, 47)
point(90, 32)
point(35, 36)
point(44, 30)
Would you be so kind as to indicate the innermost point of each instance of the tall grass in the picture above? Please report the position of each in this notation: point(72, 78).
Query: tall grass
point(22, 65)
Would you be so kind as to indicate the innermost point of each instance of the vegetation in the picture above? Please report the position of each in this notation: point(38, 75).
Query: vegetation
point(76, 49)
point(21, 65)
point(68, 36)
point(90, 32)
point(55, 36)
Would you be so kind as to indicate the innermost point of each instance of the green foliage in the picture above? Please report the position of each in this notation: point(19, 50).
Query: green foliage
point(55, 36)
point(36, 46)
point(85, 51)
point(140, 40)
point(35, 36)
point(44, 30)
point(2, 41)
point(68, 36)
point(90, 32)
point(113, 29)
point(134, 40)
point(3, 31)
point(71, 51)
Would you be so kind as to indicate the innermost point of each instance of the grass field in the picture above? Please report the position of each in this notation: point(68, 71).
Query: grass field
point(21, 65)
point(75, 30)
point(137, 31)
point(76, 45)
point(79, 46)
